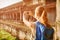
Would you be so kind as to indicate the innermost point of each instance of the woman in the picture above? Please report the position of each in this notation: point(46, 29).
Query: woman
point(43, 29)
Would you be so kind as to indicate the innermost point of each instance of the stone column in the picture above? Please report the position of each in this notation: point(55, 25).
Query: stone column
point(43, 2)
point(35, 1)
point(58, 19)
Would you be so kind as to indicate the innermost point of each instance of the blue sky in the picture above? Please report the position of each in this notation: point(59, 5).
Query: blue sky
point(4, 3)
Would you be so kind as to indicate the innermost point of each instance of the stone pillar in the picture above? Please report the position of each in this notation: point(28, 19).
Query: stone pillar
point(43, 2)
point(38, 1)
point(35, 1)
point(28, 2)
point(58, 19)
point(13, 15)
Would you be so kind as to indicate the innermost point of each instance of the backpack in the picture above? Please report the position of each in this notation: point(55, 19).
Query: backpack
point(48, 33)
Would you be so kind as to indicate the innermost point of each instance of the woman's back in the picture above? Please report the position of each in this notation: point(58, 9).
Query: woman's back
point(48, 33)
point(43, 32)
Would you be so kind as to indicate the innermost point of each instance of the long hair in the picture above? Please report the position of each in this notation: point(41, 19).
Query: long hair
point(38, 12)
point(45, 19)
point(41, 15)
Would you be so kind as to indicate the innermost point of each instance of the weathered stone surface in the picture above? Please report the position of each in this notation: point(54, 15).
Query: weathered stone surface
point(21, 31)
point(58, 19)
